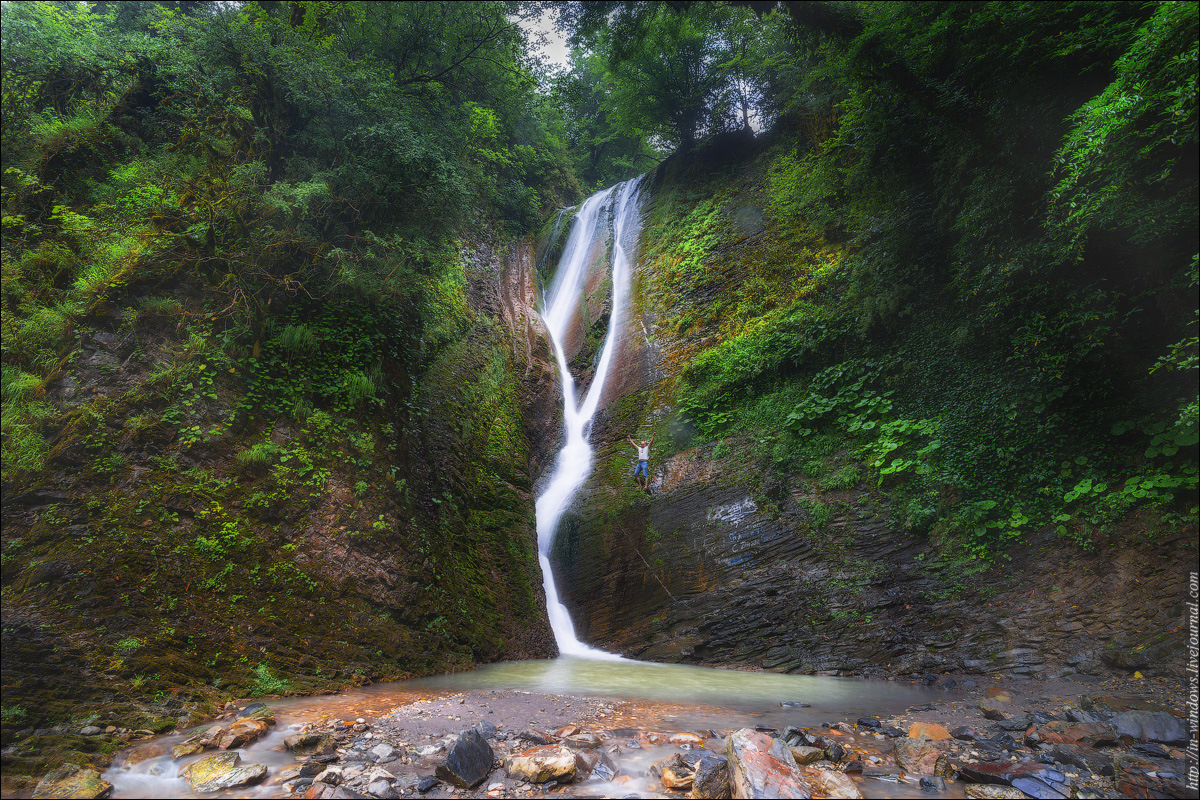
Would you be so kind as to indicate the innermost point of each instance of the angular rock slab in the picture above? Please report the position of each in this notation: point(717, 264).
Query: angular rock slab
point(1136, 777)
point(310, 744)
point(222, 771)
point(542, 764)
point(983, 791)
point(761, 766)
point(710, 781)
point(468, 760)
point(72, 780)
point(831, 784)
point(1088, 733)
point(1151, 726)
point(1034, 779)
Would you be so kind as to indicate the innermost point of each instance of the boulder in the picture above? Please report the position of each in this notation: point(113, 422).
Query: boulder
point(468, 760)
point(72, 780)
point(583, 740)
point(918, 757)
point(761, 766)
point(144, 752)
point(258, 711)
point(542, 764)
point(383, 790)
point(187, 747)
point(310, 744)
point(222, 771)
point(932, 783)
point(673, 772)
point(925, 730)
point(209, 737)
point(710, 781)
point(331, 775)
point(242, 732)
point(585, 762)
point(807, 755)
point(827, 783)
point(1151, 726)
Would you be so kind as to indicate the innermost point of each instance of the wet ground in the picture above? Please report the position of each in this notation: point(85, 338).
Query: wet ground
point(419, 718)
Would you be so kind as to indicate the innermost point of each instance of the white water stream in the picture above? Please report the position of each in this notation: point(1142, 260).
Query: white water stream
point(609, 221)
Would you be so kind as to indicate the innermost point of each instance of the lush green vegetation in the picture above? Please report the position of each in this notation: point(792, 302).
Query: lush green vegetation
point(958, 264)
point(975, 265)
point(238, 350)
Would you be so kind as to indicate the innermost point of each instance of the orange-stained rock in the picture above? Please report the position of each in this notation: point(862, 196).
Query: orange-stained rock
point(761, 766)
point(1059, 732)
point(920, 757)
point(926, 730)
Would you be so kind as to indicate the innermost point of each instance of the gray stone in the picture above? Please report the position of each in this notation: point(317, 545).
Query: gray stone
point(468, 761)
point(90, 730)
point(710, 781)
point(383, 751)
point(1085, 758)
point(1151, 726)
point(933, 783)
point(383, 790)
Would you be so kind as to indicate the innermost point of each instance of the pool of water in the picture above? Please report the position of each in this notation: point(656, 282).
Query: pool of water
point(736, 694)
point(702, 698)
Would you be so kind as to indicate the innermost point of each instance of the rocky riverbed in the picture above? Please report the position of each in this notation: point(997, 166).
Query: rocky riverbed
point(990, 738)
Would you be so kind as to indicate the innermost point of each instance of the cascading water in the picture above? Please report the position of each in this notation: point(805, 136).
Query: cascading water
point(609, 216)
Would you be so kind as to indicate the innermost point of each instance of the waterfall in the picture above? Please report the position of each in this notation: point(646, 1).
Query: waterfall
point(609, 217)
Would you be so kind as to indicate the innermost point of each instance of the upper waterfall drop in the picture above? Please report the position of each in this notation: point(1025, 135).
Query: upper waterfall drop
point(609, 216)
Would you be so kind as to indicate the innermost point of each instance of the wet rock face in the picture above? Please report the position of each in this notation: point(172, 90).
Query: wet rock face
point(705, 570)
point(71, 780)
point(725, 563)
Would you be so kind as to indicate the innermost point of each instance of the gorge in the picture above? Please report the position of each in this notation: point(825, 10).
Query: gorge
point(321, 347)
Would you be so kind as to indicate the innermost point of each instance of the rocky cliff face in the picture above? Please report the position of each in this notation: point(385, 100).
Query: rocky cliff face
point(732, 561)
point(181, 550)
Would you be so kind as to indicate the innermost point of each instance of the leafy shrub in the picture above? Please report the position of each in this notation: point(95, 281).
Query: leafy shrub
point(267, 684)
point(259, 457)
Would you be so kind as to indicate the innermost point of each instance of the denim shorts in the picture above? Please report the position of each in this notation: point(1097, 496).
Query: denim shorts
point(643, 469)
